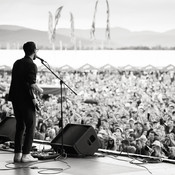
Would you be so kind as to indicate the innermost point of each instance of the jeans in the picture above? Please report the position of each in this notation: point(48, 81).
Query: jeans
point(25, 115)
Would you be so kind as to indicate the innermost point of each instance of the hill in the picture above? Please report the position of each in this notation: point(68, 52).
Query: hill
point(14, 36)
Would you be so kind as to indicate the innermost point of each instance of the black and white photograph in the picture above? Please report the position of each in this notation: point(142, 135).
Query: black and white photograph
point(87, 87)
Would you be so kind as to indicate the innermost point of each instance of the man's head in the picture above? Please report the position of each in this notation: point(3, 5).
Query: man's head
point(29, 48)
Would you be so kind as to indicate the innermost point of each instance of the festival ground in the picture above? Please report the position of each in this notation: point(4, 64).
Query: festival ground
point(101, 163)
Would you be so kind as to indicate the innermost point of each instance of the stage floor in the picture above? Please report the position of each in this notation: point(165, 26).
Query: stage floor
point(99, 164)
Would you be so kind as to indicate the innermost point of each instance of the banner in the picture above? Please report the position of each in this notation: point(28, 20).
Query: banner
point(72, 27)
point(92, 32)
point(57, 15)
point(50, 27)
point(107, 22)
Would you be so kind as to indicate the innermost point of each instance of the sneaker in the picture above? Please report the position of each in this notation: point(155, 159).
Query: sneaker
point(28, 158)
point(17, 157)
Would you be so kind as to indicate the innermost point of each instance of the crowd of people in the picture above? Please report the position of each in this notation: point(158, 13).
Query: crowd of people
point(131, 111)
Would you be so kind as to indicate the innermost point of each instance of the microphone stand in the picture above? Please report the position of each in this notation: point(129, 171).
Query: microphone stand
point(61, 85)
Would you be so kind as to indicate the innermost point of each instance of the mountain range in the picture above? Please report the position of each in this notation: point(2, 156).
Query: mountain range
point(12, 37)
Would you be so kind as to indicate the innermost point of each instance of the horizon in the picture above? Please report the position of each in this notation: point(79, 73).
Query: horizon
point(120, 38)
point(88, 28)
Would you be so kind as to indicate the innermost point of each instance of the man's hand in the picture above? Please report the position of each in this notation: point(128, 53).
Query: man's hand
point(36, 104)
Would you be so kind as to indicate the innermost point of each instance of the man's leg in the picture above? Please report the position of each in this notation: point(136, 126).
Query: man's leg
point(20, 127)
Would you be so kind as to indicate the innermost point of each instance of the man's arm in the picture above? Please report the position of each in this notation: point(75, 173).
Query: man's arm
point(37, 88)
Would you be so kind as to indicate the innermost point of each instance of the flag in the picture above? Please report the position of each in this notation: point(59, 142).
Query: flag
point(50, 26)
point(107, 22)
point(72, 27)
point(57, 15)
point(92, 32)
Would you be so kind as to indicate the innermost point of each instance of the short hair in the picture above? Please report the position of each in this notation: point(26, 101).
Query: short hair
point(133, 135)
point(29, 48)
point(125, 142)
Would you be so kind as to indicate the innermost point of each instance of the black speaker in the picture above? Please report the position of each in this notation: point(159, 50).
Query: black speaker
point(7, 129)
point(78, 140)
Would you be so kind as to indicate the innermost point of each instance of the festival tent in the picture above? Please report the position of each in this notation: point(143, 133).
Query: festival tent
point(42, 68)
point(87, 67)
point(66, 68)
point(4, 68)
point(128, 68)
point(149, 68)
point(170, 67)
point(107, 67)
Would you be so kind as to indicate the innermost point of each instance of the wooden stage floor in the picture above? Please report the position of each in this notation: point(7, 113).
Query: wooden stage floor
point(99, 164)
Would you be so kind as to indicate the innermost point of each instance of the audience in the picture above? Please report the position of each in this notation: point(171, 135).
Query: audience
point(131, 111)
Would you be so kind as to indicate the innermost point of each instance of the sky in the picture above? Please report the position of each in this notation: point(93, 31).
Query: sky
point(134, 15)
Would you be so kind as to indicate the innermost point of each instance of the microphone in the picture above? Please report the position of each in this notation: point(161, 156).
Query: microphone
point(39, 58)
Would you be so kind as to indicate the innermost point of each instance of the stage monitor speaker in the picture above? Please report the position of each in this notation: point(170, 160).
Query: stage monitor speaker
point(78, 140)
point(7, 129)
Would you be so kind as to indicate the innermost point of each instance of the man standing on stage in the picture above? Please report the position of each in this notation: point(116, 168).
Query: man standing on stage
point(23, 84)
